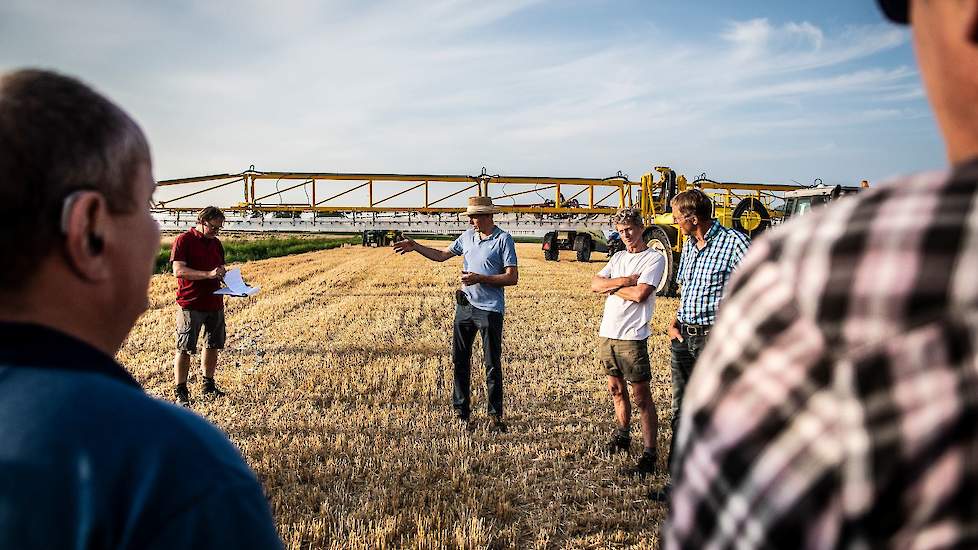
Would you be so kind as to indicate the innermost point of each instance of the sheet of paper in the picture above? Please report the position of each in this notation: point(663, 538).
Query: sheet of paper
point(234, 285)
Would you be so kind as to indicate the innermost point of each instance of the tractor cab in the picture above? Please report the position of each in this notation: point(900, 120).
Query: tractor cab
point(797, 203)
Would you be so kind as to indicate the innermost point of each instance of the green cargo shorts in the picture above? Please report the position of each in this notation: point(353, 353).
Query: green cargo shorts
point(628, 359)
point(189, 323)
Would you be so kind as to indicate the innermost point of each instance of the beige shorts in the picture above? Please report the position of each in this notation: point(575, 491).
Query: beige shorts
point(628, 359)
point(189, 323)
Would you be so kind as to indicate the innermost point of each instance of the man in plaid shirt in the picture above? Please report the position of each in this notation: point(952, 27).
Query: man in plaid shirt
point(709, 257)
point(837, 403)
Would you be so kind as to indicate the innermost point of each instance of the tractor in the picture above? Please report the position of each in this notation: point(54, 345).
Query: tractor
point(801, 201)
point(381, 237)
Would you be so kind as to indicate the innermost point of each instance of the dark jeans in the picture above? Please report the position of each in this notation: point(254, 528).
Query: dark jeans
point(468, 321)
point(683, 356)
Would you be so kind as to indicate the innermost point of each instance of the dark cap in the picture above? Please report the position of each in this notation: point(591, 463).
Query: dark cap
point(897, 11)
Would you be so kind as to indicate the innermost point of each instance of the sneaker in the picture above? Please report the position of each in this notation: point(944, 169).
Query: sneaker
point(646, 465)
point(661, 494)
point(211, 389)
point(182, 395)
point(465, 423)
point(618, 443)
point(497, 425)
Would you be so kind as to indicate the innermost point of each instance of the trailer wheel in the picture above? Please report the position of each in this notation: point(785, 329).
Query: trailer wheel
point(750, 217)
point(657, 239)
point(550, 252)
point(582, 245)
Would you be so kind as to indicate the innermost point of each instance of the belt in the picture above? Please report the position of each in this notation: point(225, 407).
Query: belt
point(695, 330)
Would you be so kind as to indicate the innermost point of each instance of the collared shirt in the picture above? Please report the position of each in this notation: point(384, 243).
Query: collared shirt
point(836, 404)
point(88, 460)
point(703, 274)
point(486, 256)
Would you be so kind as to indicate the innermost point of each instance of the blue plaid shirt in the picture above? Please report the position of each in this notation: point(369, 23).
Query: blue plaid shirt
point(703, 274)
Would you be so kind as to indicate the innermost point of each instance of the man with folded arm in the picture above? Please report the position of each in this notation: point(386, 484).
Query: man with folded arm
point(629, 280)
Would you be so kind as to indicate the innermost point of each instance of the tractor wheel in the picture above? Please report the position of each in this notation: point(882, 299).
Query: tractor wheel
point(750, 217)
point(582, 245)
point(657, 239)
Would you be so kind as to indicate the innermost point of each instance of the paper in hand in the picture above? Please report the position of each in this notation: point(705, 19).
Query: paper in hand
point(234, 285)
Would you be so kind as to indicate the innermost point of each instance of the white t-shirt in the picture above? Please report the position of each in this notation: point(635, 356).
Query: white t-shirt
point(624, 319)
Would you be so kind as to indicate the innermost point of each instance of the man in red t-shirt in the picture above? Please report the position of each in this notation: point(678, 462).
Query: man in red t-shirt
point(198, 264)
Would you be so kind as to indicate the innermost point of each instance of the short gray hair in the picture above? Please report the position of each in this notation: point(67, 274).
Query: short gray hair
point(630, 215)
point(58, 136)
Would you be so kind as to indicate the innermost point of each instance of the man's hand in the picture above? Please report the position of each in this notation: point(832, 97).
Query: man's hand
point(217, 273)
point(673, 331)
point(469, 278)
point(632, 280)
point(405, 246)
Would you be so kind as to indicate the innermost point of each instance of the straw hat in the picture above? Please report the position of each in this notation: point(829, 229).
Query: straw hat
point(481, 205)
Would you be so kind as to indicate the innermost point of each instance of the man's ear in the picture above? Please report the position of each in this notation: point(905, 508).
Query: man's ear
point(84, 222)
point(972, 28)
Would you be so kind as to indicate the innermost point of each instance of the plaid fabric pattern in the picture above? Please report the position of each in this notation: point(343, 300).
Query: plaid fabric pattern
point(836, 404)
point(703, 274)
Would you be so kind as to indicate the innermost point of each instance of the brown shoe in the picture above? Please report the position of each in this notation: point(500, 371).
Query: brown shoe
point(496, 425)
point(618, 443)
point(182, 395)
point(646, 465)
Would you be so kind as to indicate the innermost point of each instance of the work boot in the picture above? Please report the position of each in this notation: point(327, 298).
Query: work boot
point(646, 465)
point(618, 443)
point(497, 425)
point(183, 395)
point(661, 494)
point(465, 423)
point(211, 389)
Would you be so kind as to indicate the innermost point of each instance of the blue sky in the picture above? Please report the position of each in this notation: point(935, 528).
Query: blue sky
point(758, 90)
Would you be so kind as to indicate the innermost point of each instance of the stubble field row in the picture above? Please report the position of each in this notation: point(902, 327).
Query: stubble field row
point(339, 379)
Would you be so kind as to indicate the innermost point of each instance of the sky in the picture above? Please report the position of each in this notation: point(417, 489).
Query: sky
point(752, 90)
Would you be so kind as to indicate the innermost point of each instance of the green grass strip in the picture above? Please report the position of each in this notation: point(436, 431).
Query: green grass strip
point(236, 251)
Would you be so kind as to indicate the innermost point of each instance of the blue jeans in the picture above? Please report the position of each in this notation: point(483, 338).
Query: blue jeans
point(470, 320)
point(682, 358)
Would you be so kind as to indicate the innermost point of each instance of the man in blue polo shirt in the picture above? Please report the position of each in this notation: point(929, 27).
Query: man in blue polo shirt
point(87, 459)
point(488, 265)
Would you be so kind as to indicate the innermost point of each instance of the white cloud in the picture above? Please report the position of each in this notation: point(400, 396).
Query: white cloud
point(453, 85)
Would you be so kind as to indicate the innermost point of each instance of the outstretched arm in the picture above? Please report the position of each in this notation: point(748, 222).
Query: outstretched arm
point(407, 245)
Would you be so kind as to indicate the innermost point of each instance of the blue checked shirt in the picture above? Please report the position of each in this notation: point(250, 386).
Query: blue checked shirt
point(703, 274)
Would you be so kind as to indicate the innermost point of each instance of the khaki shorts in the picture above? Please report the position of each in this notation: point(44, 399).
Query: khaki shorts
point(628, 359)
point(189, 323)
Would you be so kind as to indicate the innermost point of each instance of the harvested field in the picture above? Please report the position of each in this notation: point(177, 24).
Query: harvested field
point(339, 376)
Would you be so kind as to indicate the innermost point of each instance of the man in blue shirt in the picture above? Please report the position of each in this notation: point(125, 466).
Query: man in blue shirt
point(709, 256)
point(488, 265)
point(88, 460)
